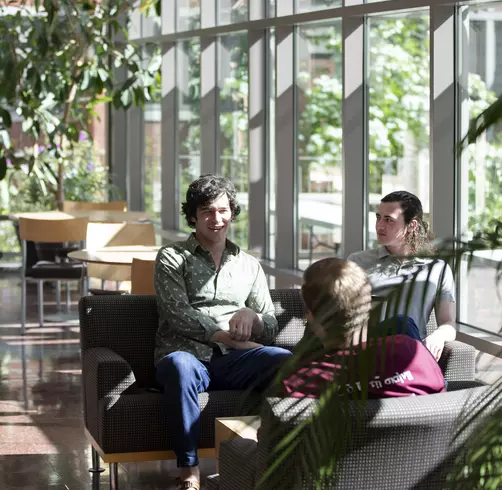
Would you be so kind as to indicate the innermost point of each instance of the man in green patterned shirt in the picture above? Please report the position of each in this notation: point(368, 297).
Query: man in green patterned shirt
point(216, 317)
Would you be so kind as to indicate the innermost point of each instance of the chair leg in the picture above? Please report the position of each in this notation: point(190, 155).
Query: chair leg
point(40, 290)
point(68, 296)
point(84, 284)
point(96, 462)
point(23, 305)
point(114, 476)
point(58, 295)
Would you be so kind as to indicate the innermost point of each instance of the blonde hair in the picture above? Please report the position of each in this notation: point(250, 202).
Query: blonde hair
point(338, 295)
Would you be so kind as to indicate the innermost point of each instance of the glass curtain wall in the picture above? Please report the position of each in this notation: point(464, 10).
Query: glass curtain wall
point(319, 142)
point(272, 167)
point(188, 82)
point(233, 124)
point(188, 17)
point(399, 75)
point(480, 48)
point(352, 103)
point(232, 11)
point(309, 5)
point(151, 136)
point(152, 155)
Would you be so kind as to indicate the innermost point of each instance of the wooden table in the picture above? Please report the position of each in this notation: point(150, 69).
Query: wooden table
point(228, 428)
point(116, 255)
point(94, 216)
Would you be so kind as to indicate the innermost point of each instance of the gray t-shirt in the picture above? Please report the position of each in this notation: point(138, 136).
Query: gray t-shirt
point(432, 282)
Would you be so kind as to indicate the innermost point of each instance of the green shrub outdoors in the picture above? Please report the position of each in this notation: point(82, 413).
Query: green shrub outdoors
point(86, 178)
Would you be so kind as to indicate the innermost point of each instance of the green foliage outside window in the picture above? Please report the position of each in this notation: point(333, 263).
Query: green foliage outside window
point(86, 179)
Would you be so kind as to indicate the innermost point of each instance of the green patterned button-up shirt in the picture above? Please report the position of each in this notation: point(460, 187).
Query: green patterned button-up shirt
point(195, 300)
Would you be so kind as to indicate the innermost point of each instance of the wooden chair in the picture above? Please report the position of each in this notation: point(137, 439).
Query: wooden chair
point(69, 206)
point(100, 235)
point(142, 276)
point(50, 232)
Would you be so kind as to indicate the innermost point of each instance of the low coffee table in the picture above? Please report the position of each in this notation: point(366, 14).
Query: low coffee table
point(228, 428)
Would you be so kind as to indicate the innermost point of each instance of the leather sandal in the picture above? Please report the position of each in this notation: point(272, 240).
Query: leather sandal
point(189, 485)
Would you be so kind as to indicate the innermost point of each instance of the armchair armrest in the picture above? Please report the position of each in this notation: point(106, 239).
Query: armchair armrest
point(105, 374)
point(213, 482)
point(458, 361)
point(238, 464)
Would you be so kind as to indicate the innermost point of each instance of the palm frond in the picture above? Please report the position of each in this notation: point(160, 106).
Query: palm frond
point(479, 464)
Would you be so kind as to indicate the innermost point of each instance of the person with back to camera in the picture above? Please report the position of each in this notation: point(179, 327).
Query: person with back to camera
point(402, 233)
point(337, 295)
point(216, 316)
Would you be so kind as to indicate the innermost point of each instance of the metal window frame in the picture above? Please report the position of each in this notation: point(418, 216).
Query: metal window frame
point(135, 138)
point(354, 131)
point(169, 110)
point(258, 131)
point(286, 196)
point(286, 17)
point(443, 115)
point(462, 39)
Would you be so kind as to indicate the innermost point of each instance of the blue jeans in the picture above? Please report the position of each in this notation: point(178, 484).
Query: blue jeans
point(400, 324)
point(183, 377)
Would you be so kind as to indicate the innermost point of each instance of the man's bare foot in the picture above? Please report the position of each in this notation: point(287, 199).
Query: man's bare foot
point(190, 475)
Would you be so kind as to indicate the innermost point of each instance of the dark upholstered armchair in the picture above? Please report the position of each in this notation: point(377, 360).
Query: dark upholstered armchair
point(395, 443)
point(125, 418)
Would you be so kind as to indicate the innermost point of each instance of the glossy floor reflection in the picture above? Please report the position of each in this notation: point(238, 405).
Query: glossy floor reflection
point(42, 442)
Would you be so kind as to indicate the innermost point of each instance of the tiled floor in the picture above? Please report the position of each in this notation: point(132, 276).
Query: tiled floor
point(42, 442)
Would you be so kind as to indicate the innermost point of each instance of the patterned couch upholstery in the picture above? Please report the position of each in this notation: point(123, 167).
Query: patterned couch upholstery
point(395, 443)
point(125, 417)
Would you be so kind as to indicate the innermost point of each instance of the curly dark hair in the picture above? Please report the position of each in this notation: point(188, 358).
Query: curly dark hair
point(418, 238)
point(203, 191)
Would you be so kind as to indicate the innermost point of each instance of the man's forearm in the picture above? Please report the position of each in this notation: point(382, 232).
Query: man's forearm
point(447, 332)
point(267, 327)
point(446, 314)
point(258, 326)
point(225, 338)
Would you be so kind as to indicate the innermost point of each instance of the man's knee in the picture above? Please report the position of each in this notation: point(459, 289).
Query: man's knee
point(270, 360)
point(400, 324)
point(177, 365)
point(275, 355)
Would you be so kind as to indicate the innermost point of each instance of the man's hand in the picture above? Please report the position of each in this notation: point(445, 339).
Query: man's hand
point(225, 338)
point(435, 343)
point(244, 323)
